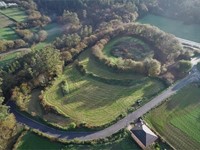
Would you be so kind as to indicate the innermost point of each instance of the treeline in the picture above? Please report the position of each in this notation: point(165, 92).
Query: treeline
point(95, 12)
point(6, 45)
point(186, 10)
point(8, 125)
point(35, 18)
point(33, 70)
point(166, 47)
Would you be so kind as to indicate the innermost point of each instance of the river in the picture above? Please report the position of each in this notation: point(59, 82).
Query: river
point(178, 28)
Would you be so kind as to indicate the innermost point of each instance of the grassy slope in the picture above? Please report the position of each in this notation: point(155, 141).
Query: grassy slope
point(126, 143)
point(31, 141)
point(4, 21)
point(94, 102)
point(15, 13)
point(7, 33)
point(90, 64)
point(54, 30)
point(178, 119)
point(6, 59)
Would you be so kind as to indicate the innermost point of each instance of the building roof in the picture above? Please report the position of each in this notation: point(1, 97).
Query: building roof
point(144, 134)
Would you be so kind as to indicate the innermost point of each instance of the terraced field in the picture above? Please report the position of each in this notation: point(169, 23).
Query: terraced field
point(15, 13)
point(6, 33)
point(178, 119)
point(4, 21)
point(94, 102)
point(8, 58)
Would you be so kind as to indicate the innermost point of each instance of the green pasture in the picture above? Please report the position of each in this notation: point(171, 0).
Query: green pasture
point(54, 30)
point(8, 58)
point(94, 102)
point(4, 21)
point(95, 67)
point(17, 14)
point(31, 141)
point(178, 120)
point(7, 33)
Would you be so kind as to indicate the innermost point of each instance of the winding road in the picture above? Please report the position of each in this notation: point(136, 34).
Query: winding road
point(84, 136)
point(192, 77)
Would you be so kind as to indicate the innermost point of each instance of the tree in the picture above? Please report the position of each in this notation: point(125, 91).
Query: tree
point(42, 35)
point(154, 67)
point(184, 66)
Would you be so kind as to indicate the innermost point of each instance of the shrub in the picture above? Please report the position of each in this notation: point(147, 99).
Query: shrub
point(72, 125)
point(64, 87)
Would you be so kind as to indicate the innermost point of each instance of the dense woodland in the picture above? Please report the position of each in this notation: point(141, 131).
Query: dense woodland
point(84, 22)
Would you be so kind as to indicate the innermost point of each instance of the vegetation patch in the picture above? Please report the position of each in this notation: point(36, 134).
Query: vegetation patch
point(4, 21)
point(15, 13)
point(7, 33)
point(128, 47)
point(9, 58)
point(32, 141)
point(177, 120)
point(93, 102)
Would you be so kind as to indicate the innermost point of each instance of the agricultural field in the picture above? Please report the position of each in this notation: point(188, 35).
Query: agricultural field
point(31, 141)
point(14, 13)
point(94, 102)
point(177, 120)
point(4, 21)
point(6, 16)
point(7, 33)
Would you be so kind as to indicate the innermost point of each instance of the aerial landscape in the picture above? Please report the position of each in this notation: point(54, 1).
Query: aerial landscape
point(99, 74)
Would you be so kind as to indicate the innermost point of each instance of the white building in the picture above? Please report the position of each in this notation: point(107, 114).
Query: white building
point(4, 5)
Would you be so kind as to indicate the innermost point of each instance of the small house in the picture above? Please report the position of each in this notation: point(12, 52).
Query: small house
point(143, 135)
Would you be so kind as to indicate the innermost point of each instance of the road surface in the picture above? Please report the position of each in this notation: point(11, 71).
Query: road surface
point(192, 77)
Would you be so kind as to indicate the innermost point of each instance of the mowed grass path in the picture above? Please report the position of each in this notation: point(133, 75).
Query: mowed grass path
point(94, 102)
point(178, 120)
point(17, 14)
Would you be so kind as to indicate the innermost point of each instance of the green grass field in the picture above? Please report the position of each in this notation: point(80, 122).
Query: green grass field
point(89, 63)
point(15, 13)
point(7, 33)
point(4, 21)
point(178, 120)
point(94, 102)
point(54, 30)
point(8, 58)
point(31, 141)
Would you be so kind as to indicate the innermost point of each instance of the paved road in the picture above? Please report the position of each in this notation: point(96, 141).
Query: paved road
point(191, 43)
point(192, 77)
